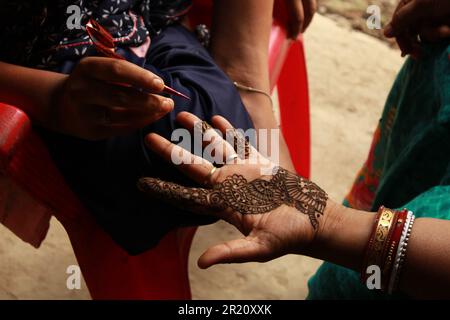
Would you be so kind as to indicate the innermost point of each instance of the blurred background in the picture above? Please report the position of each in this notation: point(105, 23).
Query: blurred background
point(351, 70)
point(354, 13)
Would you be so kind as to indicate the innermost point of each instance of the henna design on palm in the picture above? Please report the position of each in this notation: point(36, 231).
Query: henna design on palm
point(235, 192)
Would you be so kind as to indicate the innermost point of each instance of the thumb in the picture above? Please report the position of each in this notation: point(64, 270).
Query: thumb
point(236, 251)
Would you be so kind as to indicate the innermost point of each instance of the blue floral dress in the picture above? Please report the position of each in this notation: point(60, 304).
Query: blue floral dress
point(44, 33)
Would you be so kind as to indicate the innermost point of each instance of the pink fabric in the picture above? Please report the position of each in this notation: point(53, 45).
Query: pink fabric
point(142, 50)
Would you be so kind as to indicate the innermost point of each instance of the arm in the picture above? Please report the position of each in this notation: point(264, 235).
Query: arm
point(30, 89)
point(89, 103)
point(240, 42)
point(426, 271)
point(284, 213)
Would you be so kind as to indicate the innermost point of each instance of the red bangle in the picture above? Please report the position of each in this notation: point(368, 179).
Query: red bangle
point(369, 246)
point(391, 247)
point(375, 251)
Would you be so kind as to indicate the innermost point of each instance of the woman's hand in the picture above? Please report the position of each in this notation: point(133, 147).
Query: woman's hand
point(100, 99)
point(277, 211)
point(427, 19)
point(300, 15)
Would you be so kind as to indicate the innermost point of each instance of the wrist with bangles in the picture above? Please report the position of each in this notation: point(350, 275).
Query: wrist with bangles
point(387, 246)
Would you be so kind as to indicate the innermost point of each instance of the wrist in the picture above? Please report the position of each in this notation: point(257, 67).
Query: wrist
point(32, 90)
point(247, 66)
point(342, 236)
point(260, 109)
point(255, 76)
point(333, 221)
point(51, 119)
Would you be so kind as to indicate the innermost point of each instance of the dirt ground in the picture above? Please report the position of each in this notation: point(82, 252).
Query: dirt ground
point(355, 14)
point(350, 75)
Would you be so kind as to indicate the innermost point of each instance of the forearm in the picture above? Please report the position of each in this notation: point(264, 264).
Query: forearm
point(425, 273)
point(343, 236)
point(29, 89)
point(240, 40)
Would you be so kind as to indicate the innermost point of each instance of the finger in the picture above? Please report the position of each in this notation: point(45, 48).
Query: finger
point(404, 44)
point(230, 133)
point(406, 16)
point(132, 118)
point(235, 251)
point(309, 8)
point(104, 131)
point(404, 40)
point(215, 146)
point(296, 18)
point(197, 200)
point(196, 168)
point(120, 71)
point(435, 34)
point(409, 44)
point(107, 94)
point(107, 128)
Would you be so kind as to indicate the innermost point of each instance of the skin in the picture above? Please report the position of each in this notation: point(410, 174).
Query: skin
point(429, 19)
point(301, 13)
point(241, 50)
point(76, 104)
point(101, 104)
point(340, 236)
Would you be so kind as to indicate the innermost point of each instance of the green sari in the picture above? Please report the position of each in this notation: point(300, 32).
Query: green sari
point(408, 164)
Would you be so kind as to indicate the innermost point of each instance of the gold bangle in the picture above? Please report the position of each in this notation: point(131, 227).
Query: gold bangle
point(250, 89)
point(385, 222)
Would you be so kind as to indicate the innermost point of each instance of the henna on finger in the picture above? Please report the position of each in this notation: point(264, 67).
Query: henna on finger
point(202, 126)
point(259, 196)
point(206, 126)
point(209, 138)
point(241, 144)
point(183, 197)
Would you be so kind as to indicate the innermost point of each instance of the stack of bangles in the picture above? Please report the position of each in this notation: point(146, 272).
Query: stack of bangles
point(387, 246)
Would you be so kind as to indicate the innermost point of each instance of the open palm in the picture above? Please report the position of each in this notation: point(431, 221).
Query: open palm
point(273, 210)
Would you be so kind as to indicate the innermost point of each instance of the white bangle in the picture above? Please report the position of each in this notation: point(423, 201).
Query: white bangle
point(401, 253)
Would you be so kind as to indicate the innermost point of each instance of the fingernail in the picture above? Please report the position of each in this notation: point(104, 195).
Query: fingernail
point(168, 104)
point(158, 83)
point(389, 31)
